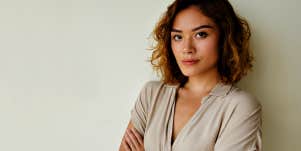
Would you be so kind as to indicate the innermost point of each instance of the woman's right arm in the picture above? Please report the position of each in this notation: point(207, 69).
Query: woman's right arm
point(132, 140)
point(124, 145)
point(139, 114)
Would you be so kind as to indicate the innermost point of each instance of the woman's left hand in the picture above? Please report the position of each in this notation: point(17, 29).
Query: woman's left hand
point(134, 140)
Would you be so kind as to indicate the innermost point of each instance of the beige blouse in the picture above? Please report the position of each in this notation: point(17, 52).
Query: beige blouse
point(229, 119)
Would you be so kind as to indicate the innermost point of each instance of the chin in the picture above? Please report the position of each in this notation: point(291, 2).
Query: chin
point(190, 73)
point(195, 71)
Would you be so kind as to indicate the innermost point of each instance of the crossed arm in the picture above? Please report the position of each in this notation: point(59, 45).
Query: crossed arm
point(132, 140)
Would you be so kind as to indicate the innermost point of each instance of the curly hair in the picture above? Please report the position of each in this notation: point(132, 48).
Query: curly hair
point(235, 58)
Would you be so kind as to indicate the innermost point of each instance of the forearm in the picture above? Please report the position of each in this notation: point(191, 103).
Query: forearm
point(121, 148)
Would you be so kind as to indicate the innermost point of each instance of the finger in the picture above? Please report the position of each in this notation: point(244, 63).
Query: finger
point(138, 136)
point(125, 145)
point(129, 141)
point(134, 139)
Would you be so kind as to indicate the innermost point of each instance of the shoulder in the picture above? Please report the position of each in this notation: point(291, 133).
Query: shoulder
point(242, 100)
point(156, 84)
point(149, 93)
point(152, 88)
point(151, 85)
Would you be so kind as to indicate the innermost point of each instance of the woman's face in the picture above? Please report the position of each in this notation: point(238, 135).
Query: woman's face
point(194, 42)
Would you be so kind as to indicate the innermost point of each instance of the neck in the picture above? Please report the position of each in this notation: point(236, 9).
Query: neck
point(202, 82)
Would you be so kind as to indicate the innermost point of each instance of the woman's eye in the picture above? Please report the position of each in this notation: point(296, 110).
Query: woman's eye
point(177, 37)
point(201, 35)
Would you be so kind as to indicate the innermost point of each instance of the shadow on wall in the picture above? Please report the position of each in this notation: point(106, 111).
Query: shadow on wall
point(270, 82)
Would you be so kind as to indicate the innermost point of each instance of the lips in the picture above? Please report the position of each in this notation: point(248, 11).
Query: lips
point(190, 61)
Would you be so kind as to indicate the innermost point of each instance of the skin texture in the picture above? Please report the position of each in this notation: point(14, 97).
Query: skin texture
point(200, 44)
point(194, 36)
point(188, 43)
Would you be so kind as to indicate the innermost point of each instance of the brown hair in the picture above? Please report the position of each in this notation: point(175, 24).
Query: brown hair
point(235, 59)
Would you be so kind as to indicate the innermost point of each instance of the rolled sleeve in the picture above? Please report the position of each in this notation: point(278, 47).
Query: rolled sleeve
point(139, 112)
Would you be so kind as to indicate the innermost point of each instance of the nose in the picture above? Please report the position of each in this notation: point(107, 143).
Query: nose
point(188, 47)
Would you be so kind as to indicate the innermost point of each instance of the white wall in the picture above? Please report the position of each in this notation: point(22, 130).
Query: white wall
point(71, 70)
point(276, 77)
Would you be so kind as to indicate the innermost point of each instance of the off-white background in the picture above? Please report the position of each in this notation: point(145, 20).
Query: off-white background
point(70, 70)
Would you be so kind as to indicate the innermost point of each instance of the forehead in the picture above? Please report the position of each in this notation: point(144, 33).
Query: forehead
point(190, 18)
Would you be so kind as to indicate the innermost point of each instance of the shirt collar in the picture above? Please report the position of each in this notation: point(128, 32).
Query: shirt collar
point(220, 89)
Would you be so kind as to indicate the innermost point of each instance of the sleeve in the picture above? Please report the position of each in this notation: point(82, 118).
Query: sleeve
point(242, 130)
point(140, 109)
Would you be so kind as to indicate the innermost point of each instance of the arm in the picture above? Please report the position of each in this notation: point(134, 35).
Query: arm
point(132, 140)
point(123, 145)
point(138, 119)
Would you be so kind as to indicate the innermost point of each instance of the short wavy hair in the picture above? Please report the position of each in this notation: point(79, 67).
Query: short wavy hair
point(235, 58)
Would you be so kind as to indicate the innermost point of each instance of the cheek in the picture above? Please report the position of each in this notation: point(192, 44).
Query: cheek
point(175, 50)
point(208, 48)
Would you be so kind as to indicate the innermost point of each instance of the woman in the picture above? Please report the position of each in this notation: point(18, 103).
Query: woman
point(201, 53)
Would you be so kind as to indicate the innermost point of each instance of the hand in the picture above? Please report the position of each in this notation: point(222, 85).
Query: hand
point(133, 141)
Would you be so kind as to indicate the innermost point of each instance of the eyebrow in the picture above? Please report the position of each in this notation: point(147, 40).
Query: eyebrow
point(194, 29)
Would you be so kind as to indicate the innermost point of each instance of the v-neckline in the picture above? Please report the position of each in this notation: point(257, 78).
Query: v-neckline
point(172, 116)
